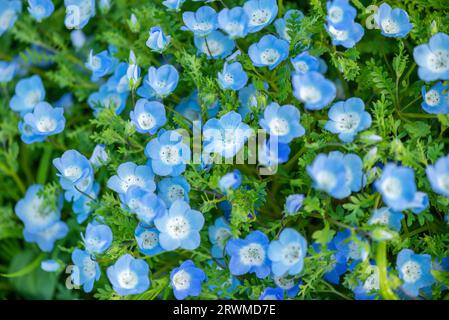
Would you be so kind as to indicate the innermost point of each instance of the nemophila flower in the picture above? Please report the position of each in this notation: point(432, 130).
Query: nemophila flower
point(29, 92)
point(9, 10)
point(433, 58)
point(28, 135)
point(173, 4)
point(249, 255)
point(168, 153)
point(157, 40)
point(248, 99)
point(337, 264)
point(234, 22)
point(420, 202)
point(179, 227)
point(65, 102)
point(119, 81)
point(186, 280)
point(78, 39)
point(260, 13)
point(219, 233)
point(304, 62)
point(147, 240)
point(289, 285)
point(273, 153)
point(314, 90)
point(225, 136)
point(85, 271)
point(347, 118)
point(132, 72)
point(78, 13)
point(133, 23)
point(99, 156)
point(233, 76)
point(129, 275)
point(150, 207)
point(340, 13)
point(368, 289)
point(347, 35)
point(172, 189)
point(282, 122)
point(108, 98)
point(281, 23)
point(130, 174)
point(392, 22)
point(202, 22)
point(438, 176)
point(272, 294)
point(215, 45)
point(83, 207)
point(414, 270)
point(45, 120)
point(287, 254)
point(75, 174)
point(268, 52)
point(101, 64)
point(436, 100)
point(231, 180)
point(352, 248)
point(387, 217)
point(105, 5)
point(7, 71)
point(160, 82)
point(47, 237)
point(50, 265)
point(97, 238)
point(148, 116)
point(190, 107)
point(40, 9)
point(293, 203)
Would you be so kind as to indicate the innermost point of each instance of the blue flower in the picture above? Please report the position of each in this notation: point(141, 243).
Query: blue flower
point(233, 76)
point(304, 62)
point(219, 233)
point(273, 153)
point(433, 58)
point(28, 135)
point(268, 52)
point(215, 45)
point(168, 153)
point(148, 116)
point(249, 255)
point(46, 238)
point(387, 217)
point(314, 90)
point(281, 23)
point(340, 13)
point(132, 72)
point(392, 22)
point(293, 203)
point(82, 207)
point(7, 71)
point(160, 82)
point(45, 120)
point(368, 290)
point(186, 280)
point(108, 98)
point(202, 22)
point(173, 4)
point(8, 14)
point(287, 254)
point(438, 176)
point(119, 81)
point(225, 136)
point(157, 41)
point(179, 227)
point(347, 118)
point(351, 248)
point(50, 265)
point(78, 13)
point(29, 92)
point(97, 238)
point(272, 294)
point(172, 189)
point(282, 122)
point(150, 207)
point(234, 22)
point(436, 100)
point(129, 275)
point(147, 240)
point(231, 180)
point(40, 9)
point(414, 271)
point(248, 99)
point(101, 64)
point(261, 13)
point(337, 264)
point(347, 35)
point(86, 270)
point(99, 156)
point(75, 174)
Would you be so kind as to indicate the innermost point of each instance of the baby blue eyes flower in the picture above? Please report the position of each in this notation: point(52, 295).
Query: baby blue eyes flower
point(100, 64)
point(7, 71)
point(282, 122)
point(281, 23)
point(50, 265)
point(272, 153)
point(340, 13)
point(233, 76)
point(29, 92)
point(272, 294)
point(438, 176)
point(202, 22)
point(219, 233)
point(180, 227)
point(40, 9)
point(249, 255)
point(108, 98)
point(351, 248)
point(8, 14)
point(392, 22)
point(150, 207)
point(260, 13)
point(368, 289)
point(268, 52)
point(172, 189)
point(129, 275)
point(304, 62)
point(97, 238)
point(157, 40)
point(433, 58)
point(314, 90)
point(160, 82)
point(234, 22)
point(293, 203)
point(99, 156)
point(83, 207)
point(231, 180)
point(45, 120)
point(436, 100)
point(347, 118)
point(173, 4)
point(78, 39)
point(215, 45)
point(168, 154)
point(46, 238)
point(186, 280)
point(148, 116)
point(78, 13)
point(415, 271)
point(387, 217)
point(147, 240)
point(287, 254)
point(86, 270)
point(347, 35)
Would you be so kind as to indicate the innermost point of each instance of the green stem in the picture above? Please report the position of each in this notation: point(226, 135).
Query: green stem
point(381, 261)
point(44, 165)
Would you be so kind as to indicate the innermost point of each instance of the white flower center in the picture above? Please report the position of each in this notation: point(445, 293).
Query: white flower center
point(443, 182)
point(335, 14)
point(438, 61)
point(72, 172)
point(259, 17)
point(39, 10)
point(390, 26)
point(391, 187)
point(383, 218)
point(326, 180)
point(132, 180)
point(347, 122)
point(291, 254)
point(270, 56)
point(279, 127)
point(149, 239)
point(221, 236)
point(340, 35)
point(284, 282)
point(234, 27)
point(228, 78)
point(6, 19)
point(178, 227)
point(127, 279)
point(112, 101)
point(175, 192)
point(411, 271)
point(212, 47)
point(89, 268)
point(95, 63)
point(181, 280)
point(252, 254)
point(302, 66)
point(433, 98)
point(146, 121)
point(169, 154)
point(202, 26)
point(32, 98)
point(372, 282)
point(46, 124)
point(310, 94)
